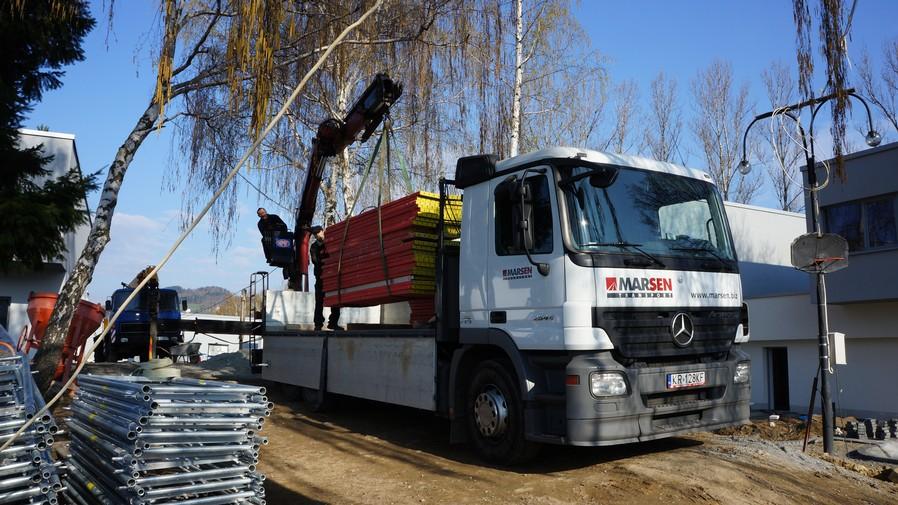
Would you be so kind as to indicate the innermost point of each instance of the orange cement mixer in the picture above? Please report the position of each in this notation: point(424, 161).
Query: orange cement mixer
point(88, 317)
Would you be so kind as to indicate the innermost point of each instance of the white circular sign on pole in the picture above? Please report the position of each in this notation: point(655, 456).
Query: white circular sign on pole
point(823, 253)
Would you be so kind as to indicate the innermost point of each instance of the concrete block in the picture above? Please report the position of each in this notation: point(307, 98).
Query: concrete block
point(297, 309)
point(851, 430)
point(880, 432)
point(870, 428)
point(395, 313)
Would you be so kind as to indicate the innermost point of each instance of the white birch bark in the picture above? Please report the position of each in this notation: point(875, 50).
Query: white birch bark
point(81, 275)
point(518, 79)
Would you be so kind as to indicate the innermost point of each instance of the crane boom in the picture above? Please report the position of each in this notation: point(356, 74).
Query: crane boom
point(333, 136)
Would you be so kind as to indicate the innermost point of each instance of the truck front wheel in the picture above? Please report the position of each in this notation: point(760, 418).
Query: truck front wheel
point(495, 415)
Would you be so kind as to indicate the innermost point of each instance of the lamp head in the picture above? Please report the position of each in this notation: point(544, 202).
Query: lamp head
point(873, 138)
point(744, 167)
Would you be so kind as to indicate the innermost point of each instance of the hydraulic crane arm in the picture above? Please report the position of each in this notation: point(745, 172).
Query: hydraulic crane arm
point(335, 135)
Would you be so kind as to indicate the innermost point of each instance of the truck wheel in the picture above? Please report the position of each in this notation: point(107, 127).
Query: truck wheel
point(317, 401)
point(495, 416)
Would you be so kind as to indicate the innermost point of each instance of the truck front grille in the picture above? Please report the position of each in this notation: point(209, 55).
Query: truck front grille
point(645, 333)
point(682, 398)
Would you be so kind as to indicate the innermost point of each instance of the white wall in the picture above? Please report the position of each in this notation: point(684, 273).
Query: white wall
point(763, 235)
point(65, 157)
point(795, 318)
point(297, 308)
point(221, 343)
point(19, 284)
point(865, 387)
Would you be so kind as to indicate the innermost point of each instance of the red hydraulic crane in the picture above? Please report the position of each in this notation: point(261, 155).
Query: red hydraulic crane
point(335, 135)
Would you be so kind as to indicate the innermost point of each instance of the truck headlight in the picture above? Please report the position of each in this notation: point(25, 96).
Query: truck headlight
point(743, 373)
point(607, 384)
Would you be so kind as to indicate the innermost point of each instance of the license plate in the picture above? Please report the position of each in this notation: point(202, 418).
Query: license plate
point(685, 380)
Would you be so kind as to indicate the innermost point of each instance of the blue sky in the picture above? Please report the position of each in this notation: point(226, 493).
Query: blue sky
point(103, 96)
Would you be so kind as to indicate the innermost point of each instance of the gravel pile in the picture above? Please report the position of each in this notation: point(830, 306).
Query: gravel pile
point(231, 363)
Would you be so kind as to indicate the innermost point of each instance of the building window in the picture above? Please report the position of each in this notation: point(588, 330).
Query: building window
point(865, 224)
point(508, 217)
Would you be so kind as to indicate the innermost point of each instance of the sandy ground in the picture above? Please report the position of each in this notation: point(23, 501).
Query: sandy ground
point(363, 452)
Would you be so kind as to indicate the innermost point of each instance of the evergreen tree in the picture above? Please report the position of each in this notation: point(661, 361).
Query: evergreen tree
point(38, 38)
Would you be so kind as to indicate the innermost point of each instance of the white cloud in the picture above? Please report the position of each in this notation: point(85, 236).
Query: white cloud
point(138, 240)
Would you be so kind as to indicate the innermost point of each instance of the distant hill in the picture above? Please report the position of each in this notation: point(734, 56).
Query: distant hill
point(209, 299)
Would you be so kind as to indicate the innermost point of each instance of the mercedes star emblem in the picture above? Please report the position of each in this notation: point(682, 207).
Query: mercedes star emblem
point(682, 330)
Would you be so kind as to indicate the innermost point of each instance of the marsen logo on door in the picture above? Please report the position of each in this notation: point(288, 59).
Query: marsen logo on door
point(639, 287)
point(510, 274)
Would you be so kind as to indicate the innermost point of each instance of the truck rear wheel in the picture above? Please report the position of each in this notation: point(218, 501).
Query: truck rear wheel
point(495, 415)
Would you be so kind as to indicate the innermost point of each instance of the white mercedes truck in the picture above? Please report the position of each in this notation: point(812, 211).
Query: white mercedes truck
point(594, 299)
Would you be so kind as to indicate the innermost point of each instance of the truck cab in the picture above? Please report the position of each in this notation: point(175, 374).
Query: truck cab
point(130, 336)
point(610, 287)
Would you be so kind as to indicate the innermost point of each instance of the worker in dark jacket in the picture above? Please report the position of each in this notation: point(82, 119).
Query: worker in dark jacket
point(269, 222)
point(317, 255)
point(270, 225)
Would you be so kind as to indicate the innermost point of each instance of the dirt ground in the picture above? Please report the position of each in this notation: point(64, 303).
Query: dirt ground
point(363, 452)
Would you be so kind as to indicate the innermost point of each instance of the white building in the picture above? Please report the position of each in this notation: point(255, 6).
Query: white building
point(863, 298)
point(212, 344)
point(16, 284)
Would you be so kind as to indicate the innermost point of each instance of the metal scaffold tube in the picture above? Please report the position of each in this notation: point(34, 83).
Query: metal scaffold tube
point(28, 474)
point(151, 442)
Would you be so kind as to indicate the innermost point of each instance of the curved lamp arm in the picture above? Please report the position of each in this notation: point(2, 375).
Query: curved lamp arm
point(744, 166)
point(873, 137)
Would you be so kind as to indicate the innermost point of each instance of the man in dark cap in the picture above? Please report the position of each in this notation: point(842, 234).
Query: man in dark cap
point(270, 225)
point(317, 255)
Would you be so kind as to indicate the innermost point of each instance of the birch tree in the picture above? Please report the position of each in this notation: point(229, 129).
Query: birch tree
point(882, 88)
point(626, 110)
point(408, 38)
point(721, 112)
point(833, 29)
point(663, 123)
point(783, 140)
point(518, 77)
point(192, 58)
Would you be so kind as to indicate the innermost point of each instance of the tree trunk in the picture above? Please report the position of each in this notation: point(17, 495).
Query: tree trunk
point(329, 188)
point(347, 184)
point(74, 287)
point(518, 79)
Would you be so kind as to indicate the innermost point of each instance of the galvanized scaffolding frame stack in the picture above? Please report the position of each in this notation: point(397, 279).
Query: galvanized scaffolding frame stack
point(143, 442)
point(28, 473)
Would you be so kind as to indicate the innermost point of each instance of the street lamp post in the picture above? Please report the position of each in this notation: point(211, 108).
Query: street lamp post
point(873, 139)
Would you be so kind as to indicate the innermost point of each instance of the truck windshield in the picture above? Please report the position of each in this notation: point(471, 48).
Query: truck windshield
point(168, 300)
point(659, 214)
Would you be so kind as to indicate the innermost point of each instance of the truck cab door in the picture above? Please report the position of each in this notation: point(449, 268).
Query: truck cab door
point(522, 301)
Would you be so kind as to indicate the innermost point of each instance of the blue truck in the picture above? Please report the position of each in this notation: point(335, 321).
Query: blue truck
point(130, 334)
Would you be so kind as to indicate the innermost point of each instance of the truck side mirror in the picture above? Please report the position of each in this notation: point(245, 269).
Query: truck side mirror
point(525, 238)
point(108, 305)
point(602, 177)
point(184, 305)
point(524, 235)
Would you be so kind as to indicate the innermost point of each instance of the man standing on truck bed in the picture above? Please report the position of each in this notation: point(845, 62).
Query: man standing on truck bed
point(317, 254)
point(269, 225)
